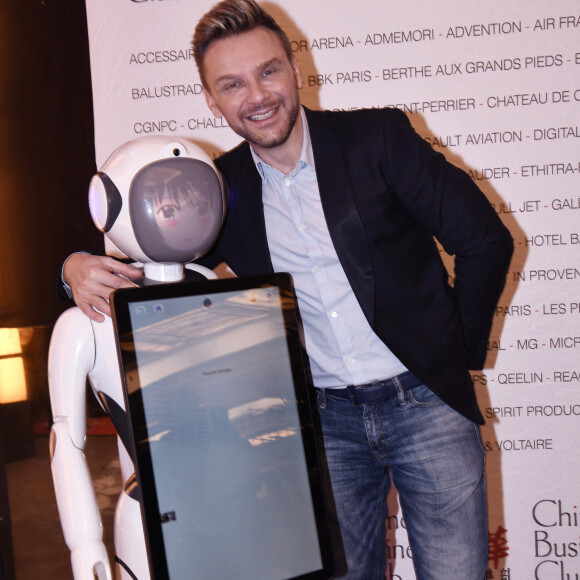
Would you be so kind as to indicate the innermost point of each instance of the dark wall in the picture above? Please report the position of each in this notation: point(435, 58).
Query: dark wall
point(46, 153)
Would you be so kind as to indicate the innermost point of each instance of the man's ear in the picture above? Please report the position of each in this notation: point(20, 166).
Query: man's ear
point(297, 73)
point(211, 103)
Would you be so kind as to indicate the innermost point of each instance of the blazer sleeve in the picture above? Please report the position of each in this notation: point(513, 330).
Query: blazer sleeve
point(445, 200)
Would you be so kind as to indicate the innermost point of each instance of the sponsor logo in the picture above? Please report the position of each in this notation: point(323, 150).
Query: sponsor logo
point(556, 545)
point(546, 240)
point(528, 99)
point(147, 127)
point(331, 42)
point(519, 445)
point(553, 133)
point(546, 275)
point(489, 29)
point(535, 205)
point(400, 36)
point(532, 343)
point(440, 106)
point(340, 78)
point(513, 310)
point(549, 169)
point(442, 142)
point(161, 56)
point(533, 377)
point(560, 410)
point(561, 22)
point(489, 173)
point(526, 206)
point(498, 551)
point(166, 91)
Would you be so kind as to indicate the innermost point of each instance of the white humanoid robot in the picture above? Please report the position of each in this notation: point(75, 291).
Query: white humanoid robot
point(161, 201)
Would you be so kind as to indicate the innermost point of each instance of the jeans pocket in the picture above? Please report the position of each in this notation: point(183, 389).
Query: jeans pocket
point(423, 396)
point(479, 438)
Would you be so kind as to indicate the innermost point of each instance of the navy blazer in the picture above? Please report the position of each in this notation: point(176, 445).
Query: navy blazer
point(385, 193)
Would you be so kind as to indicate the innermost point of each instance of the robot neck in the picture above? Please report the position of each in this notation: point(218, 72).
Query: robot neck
point(164, 272)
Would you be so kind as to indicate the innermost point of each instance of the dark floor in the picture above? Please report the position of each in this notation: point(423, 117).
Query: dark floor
point(39, 547)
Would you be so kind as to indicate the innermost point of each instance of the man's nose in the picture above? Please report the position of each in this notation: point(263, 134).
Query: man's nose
point(257, 92)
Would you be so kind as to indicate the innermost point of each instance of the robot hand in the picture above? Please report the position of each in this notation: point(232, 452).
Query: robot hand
point(90, 561)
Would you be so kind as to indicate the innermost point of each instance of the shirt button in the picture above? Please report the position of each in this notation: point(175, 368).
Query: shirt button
point(349, 359)
point(287, 182)
point(317, 269)
point(334, 314)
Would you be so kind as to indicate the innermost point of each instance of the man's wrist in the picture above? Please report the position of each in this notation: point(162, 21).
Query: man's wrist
point(65, 287)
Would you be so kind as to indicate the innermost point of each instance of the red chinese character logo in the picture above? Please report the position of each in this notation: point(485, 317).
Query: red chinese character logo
point(498, 546)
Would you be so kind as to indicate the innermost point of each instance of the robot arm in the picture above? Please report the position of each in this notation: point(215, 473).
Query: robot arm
point(71, 358)
point(209, 274)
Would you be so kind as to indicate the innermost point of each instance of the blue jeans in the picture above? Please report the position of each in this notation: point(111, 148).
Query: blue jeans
point(435, 459)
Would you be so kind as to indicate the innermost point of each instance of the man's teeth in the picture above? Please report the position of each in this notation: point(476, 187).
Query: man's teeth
point(262, 117)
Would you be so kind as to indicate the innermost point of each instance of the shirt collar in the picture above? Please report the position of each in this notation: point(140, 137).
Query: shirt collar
point(306, 155)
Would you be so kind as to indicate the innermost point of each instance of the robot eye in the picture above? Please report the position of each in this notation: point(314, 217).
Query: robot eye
point(202, 208)
point(168, 212)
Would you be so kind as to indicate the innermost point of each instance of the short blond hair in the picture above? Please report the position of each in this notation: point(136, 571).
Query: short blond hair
point(229, 18)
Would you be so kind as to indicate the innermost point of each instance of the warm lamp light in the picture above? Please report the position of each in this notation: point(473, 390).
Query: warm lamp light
point(12, 378)
point(9, 341)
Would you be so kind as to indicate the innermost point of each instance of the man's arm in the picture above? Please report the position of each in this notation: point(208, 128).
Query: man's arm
point(93, 278)
point(446, 200)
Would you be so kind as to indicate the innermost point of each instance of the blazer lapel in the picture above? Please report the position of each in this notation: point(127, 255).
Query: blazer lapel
point(340, 210)
point(249, 212)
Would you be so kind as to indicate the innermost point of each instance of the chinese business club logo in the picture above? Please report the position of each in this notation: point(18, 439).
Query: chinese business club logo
point(498, 550)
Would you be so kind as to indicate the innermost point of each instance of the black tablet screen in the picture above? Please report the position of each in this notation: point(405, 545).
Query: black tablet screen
point(222, 430)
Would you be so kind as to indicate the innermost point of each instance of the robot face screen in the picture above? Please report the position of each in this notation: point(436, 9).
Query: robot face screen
point(176, 208)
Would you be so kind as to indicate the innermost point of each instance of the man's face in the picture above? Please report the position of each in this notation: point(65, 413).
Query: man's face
point(254, 86)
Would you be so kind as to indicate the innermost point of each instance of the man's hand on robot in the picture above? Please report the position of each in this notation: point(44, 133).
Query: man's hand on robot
point(93, 278)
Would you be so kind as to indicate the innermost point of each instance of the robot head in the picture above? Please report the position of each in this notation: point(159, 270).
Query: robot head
point(159, 199)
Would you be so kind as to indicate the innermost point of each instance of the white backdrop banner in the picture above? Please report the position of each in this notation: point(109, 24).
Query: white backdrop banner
point(495, 86)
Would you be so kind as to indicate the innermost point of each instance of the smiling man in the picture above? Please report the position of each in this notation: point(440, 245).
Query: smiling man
point(349, 203)
point(257, 94)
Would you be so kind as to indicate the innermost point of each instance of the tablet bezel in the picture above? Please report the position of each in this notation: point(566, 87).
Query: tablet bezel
point(120, 301)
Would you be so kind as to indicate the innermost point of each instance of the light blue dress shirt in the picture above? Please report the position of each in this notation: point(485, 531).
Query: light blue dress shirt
point(342, 347)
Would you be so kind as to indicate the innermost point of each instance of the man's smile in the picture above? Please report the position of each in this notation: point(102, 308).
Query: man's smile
point(263, 116)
